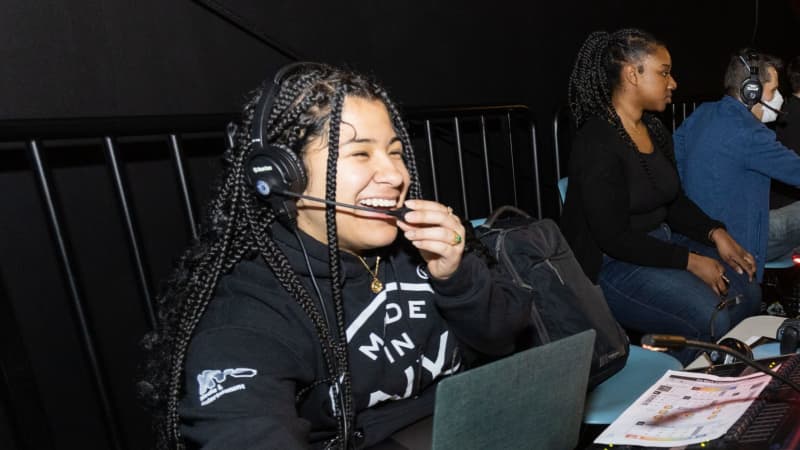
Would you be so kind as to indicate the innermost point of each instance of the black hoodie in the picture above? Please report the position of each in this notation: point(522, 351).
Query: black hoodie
point(255, 348)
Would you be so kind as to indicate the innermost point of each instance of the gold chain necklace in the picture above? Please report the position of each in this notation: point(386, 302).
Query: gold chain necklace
point(376, 285)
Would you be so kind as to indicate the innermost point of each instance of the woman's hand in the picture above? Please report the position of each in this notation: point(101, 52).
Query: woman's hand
point(437, 233)
point(732, 253)
point(710, 271)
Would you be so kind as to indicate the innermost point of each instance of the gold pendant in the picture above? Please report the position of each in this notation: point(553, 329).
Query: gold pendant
point(376, 285)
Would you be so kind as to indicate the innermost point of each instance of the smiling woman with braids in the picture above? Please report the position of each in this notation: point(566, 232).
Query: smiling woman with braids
point(632, 229)
point(292, 324)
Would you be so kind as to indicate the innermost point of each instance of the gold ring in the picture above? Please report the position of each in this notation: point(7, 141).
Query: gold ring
point(456, 238)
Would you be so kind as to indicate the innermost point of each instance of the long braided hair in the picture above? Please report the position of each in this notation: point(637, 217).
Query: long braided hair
point(307, 103)
point(597, 73)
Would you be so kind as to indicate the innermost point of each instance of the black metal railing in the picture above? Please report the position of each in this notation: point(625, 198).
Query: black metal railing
point(443, 132)
point(35, 136)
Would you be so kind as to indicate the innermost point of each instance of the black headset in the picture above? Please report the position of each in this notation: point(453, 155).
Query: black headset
point(789, 336)
point(272, 168)
point(751, 89)
point(718, 357)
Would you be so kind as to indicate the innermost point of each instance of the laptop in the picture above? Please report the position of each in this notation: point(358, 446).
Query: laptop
point(530, 400)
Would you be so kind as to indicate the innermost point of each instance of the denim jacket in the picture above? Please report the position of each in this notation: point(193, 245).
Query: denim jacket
point(726, 158)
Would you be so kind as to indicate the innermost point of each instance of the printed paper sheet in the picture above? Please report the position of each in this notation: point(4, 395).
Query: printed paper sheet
point(684, 408)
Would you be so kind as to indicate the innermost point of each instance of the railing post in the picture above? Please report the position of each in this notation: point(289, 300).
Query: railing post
point(557, 152)
point(429, 140)
point(534, 147)
point(461, 166)
point(486, 163)
point(45, 187)
point(513, 160)
point(177, 159)
point(131, 228)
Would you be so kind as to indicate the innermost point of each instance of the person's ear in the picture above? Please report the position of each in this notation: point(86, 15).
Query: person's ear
point(630, 73)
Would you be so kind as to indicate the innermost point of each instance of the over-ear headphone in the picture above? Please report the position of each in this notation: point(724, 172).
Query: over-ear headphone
point(789, 336)
point(751, 89)
point(717, 357)
point(274, 168)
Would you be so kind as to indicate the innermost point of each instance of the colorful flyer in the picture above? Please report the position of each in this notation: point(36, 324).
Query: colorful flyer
point(684, 408)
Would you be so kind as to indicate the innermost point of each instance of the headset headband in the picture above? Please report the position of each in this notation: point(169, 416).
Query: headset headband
point(263, 108)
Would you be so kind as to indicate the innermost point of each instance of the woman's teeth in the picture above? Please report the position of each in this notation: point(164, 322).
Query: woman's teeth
point(378, 202)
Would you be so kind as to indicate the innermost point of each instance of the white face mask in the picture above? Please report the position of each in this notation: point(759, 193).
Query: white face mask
point(768, 115)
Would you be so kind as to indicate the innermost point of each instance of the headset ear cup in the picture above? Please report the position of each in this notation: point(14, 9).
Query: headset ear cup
point(735, 344)
point(751, 91)
point(789, 334)
point(275, 169)
point(293, 167)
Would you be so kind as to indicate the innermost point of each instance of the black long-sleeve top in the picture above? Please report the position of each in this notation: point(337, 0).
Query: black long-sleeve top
point(615, 198)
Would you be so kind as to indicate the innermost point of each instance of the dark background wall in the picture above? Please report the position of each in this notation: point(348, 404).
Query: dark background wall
point(123, 58)
point(118, 57)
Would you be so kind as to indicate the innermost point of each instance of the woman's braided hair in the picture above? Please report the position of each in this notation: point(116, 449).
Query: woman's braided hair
point(597, 73)
point(308, 102)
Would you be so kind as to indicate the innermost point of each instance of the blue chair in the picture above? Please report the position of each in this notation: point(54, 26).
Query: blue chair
point(609, 399)
point(478, 222)
point(767, 350)
point(562, 188)
point(784, 263)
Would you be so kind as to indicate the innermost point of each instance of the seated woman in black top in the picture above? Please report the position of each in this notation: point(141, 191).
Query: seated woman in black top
point(625, 216)
point(292, 324)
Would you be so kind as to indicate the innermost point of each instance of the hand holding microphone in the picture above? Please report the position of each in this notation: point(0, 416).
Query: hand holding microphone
point(430, 226)
point(437, 233)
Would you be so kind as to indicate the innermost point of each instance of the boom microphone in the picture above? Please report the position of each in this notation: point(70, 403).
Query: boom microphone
point(398, 213)
point(662, 341)
point(264, 189)
point(776, 111)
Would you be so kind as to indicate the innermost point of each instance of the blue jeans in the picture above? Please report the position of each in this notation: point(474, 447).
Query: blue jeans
point(674, 301)
point(784, 231)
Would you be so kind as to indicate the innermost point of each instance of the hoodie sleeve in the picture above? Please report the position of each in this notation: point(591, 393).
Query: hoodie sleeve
point(481, 307)
point(240, 392)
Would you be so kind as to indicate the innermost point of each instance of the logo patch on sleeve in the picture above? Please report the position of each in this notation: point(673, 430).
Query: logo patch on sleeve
point(210, 383)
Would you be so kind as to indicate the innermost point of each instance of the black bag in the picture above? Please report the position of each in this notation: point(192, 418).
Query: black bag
point(537, 257)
